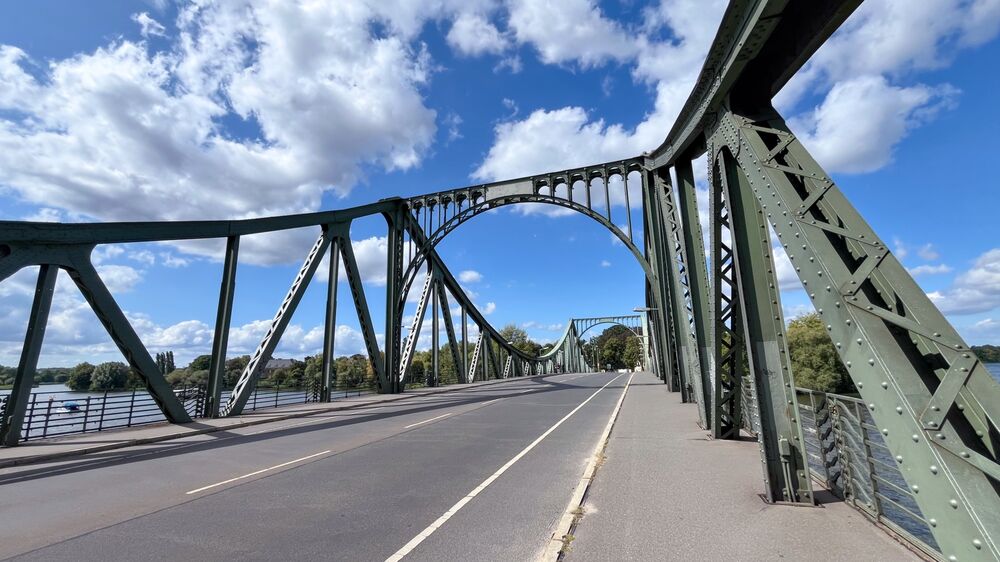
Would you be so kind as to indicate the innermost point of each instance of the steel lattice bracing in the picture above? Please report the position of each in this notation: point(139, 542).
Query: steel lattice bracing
point(712, 327)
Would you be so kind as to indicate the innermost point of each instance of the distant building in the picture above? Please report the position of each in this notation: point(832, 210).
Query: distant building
point(276, 364)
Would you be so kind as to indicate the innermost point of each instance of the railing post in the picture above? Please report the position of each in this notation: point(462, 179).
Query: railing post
point(869, 462)
point(131, 408)
point(30, 415)
point(104, 406)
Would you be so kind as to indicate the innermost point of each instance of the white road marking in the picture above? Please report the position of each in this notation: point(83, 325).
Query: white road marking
point(555, 546)
point(408, 547)
point(491, 401)
point(427, 421)
point(256, 472)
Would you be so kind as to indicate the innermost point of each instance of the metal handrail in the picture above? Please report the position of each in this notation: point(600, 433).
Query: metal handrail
point(847, 454)
point(49, 414)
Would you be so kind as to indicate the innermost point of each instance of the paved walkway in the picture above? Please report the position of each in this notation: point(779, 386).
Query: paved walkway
point(80, 444)
point(667, 492)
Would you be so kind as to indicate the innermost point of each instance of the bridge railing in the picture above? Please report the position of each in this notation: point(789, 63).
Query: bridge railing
point(54, 414)
point(849, 457)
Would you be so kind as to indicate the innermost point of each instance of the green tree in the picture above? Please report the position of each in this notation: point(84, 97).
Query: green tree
point(79, 377)
point(234, 368)
point(200, 363)
point(987, 353)
point(815, 363)
point(313, 371)
point(632, 356)
point(520, 339)
point(109, 376)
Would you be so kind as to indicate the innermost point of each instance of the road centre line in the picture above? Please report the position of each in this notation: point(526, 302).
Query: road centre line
point(427, 421)
point(408, 547)
point(256, 472)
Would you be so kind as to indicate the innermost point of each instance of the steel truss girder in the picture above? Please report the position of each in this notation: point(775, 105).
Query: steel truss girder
point(255, 367)
point(934, 402)
point(727, 338)
point(75, 260)
point(663, 367)
point(699, 300)
point(577, 328)
point(415, 327)
point(426, 254)
point(681, 310)
point(755, 296)
point(476, 353)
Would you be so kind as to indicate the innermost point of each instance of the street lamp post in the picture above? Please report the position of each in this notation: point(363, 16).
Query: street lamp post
point(646, 357)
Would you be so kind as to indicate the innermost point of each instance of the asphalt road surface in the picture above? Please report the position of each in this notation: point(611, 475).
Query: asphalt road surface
point(480, 474)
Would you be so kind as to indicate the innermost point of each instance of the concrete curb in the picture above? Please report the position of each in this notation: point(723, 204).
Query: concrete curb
point(20, 461)
point(554, 548)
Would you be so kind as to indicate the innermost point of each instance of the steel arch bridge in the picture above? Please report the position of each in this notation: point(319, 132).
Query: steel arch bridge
point(929, 396)
point(567, 353)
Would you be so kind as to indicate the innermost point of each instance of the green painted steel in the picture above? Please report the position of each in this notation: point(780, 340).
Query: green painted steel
point(12, 414)
point(330, 322)
point(934, 403)
point(217, 364)
point(693, 251)
point(756, 288)
point(713, 331)
point(258, 361)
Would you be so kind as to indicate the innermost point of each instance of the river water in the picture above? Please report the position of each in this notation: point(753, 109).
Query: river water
point(54, 409)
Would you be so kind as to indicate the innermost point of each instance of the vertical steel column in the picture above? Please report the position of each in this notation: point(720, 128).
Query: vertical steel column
point(394, 300)
point(782, 444)
point(607, 197)
point(435, 361)
point(656, 237)
point(220, 342)
point(628, 208)
point(727, 325)
point(465, 347)
point(697, 274)
point(330, 323)
point(487, 352)
point(17, 401)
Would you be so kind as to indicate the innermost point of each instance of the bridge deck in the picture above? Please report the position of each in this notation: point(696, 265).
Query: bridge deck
point(667, 492)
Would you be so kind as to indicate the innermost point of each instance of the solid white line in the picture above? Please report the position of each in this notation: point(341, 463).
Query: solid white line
point(408, 547)
point(427, 421)
point(491, 401)
point(555, 546)
point(256, 472)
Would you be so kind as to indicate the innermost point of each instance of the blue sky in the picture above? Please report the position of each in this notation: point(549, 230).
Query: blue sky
point(162, 110)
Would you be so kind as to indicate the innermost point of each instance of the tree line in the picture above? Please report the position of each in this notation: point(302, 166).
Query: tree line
point(815, 363)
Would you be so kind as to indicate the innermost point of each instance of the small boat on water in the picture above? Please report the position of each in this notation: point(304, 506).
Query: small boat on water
point(70, 406)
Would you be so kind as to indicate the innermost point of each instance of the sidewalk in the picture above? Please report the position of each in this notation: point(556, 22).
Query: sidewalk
point(667, 492)
point(81, 444)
